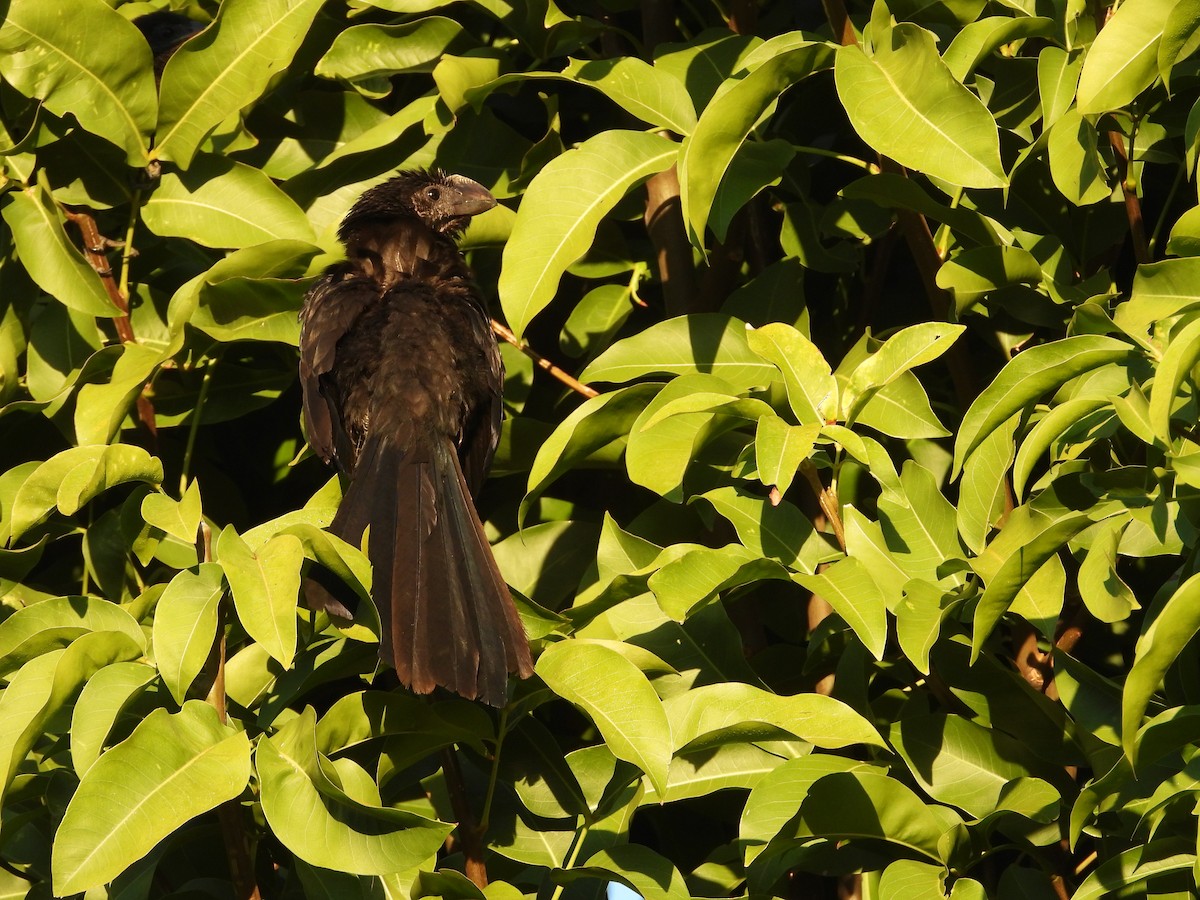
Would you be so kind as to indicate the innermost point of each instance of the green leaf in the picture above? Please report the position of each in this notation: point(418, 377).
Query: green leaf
point(905, 350)
point(1134, 869)
point(780, 448)
point(101, 408)
point(50, 258)
point(1179, 38)
point(901, 410)
point(1078, 169)
point(675, 426)
point(958, 761)
point(853, 594)
point(780, 532)
point(705, 342)
point(185, 625)
point(316, 820)
point(100, 703)
point(561, 209)
point(171, 769)
point(640, 868)
point(1058, 75)
point(811, 388)
point(1040, 600)
point(368, 715)
point(983, 37)
point(597, 422)
point(908, 879)
point(617, 697)
point(1185, 234)
point(920, 524)
point(906, 104)
point(226, 68)
point(1052, 427)
point(1123, 60)
point(775, 799)
point(919, 616)
point(92, 64)
point(363, 54)
point(178, 518)
point(1027, 540)
point(975, 272)
point(726, 122)
point(1176, 365)
point(1106, 596)
point(1030, 375)
point(265, 583)
point(714, 769)
point(1160, 291)
point(866, 804)
point(717, 714)
point(1157, 648)
point(73, 477)
point(983, 492)
point(221, 203)
point(43, 686)
point(55, 623)
point(650, 93)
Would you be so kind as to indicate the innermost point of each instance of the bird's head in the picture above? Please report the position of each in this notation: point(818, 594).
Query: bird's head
point(443, 202)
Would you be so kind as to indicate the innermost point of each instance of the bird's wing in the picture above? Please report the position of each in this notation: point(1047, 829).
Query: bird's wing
point(480, 436)
point(331, 308)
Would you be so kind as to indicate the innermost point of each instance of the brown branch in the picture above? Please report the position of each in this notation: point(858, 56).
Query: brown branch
point(469, 832)
point(672, 250)
point(839, 21)
point(542, 363)
point(1030, 660)
point(94, 245)
point(1133, 206)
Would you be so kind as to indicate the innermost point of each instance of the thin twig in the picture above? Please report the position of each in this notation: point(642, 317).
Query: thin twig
point(194, 426)
point(94, 245)
point(870, 167)
point(501, 730)
point(469, 832)
point(1133, 206)
point(542, 363)
point(828, 499)
point(127, 251)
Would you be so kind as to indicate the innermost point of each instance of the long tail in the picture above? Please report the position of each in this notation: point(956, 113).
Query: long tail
point(446, 614)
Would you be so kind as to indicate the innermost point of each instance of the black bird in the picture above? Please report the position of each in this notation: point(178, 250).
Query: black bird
point(402, 383)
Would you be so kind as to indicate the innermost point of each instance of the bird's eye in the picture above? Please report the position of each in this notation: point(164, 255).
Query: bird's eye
point(433, 194)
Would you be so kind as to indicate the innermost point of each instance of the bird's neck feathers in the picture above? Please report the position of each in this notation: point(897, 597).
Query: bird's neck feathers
point(397, 249)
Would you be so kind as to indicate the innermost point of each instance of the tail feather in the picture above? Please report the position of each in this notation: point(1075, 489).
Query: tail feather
point(446, 614)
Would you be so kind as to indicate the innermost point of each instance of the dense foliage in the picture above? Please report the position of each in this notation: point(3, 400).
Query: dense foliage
point(863, 543)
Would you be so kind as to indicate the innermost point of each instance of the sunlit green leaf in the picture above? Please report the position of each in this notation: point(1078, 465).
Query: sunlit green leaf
point(171, 769)
point(557, 219)
point(906, 103)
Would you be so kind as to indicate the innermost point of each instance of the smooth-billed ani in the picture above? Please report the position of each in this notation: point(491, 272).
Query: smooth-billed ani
point(402, 384)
